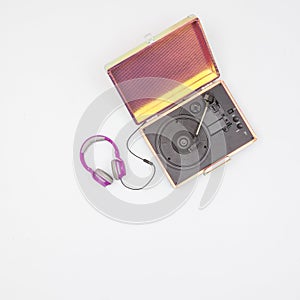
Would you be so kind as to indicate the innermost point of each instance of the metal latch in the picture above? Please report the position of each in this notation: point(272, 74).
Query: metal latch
point(149, 38)
point(216, 165)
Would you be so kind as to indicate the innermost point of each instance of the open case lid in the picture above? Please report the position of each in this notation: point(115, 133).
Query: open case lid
point(165, 69)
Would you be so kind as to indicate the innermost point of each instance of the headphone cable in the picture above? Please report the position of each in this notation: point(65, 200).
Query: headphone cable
point(141, 158)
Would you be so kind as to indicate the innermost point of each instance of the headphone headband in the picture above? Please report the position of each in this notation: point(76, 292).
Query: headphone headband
point(90, 141)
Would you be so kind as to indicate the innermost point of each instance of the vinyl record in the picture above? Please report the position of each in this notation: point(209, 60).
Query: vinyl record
point(178, 145)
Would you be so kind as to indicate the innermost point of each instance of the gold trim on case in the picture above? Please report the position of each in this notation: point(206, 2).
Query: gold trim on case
point(224, 160)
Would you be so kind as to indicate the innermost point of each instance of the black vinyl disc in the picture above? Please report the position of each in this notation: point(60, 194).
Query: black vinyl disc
point(178, 145)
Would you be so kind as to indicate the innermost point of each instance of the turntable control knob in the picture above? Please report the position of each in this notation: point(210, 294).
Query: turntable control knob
point(239, 126)
point(235, 119)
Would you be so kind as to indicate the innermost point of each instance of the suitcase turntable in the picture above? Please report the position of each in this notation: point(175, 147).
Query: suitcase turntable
point(192, 125)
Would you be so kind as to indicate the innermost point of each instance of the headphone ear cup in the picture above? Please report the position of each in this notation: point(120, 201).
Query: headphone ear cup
point(114, 168)
point(102, 174)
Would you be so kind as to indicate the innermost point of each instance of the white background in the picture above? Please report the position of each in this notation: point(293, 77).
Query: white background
point(54, 245)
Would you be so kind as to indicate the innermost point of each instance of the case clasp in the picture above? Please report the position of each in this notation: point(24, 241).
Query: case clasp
point(149, 38)
point(216, 165)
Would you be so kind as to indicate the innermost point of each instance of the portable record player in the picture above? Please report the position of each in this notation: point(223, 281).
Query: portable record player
point(188, 117)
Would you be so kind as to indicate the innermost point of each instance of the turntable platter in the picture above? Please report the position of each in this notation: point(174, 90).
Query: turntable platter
point(178, 144)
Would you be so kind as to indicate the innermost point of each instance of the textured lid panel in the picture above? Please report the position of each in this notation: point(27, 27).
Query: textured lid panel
point(181, 57)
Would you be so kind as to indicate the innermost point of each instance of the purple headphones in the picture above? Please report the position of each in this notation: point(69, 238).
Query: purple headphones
point(117, 164)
